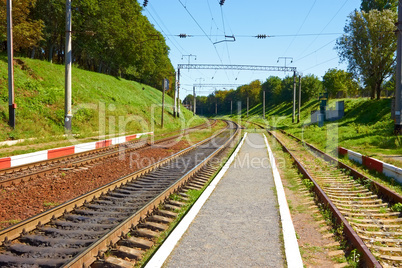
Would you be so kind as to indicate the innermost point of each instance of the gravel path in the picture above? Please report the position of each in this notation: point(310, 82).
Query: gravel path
point(239, 225)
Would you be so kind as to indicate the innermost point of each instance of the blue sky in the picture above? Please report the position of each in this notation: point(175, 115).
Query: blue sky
point(303, 30)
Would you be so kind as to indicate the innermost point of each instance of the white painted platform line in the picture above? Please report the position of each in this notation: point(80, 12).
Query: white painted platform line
point(293, 257)
point(167, 247)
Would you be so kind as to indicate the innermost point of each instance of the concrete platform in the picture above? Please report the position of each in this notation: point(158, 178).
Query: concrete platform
point(239, 225)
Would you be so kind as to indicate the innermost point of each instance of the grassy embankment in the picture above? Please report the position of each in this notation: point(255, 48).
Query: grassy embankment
point(366, 128)
point(102, 105)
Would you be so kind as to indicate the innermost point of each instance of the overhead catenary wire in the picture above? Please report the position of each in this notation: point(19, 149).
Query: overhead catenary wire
point(301, 26)
point(181, 50)
point(199, 26)
point(258, 36)
point(327, 44)
point(319, 64)
point(336, 14)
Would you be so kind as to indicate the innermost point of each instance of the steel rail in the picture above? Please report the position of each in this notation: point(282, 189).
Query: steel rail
point(385, 192)
point(356, 241)
point(110, 152)
point(30, 224)
point(86, 258)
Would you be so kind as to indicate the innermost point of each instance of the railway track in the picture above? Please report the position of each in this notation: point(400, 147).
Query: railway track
point(15, 175)
point(77, 233)
point(362, 206)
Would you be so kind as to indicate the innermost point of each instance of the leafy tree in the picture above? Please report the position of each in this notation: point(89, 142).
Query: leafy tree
point(369, 45)
point(339, 83)
point(110, 37)
point(379, 5)
point(252, 91)
point(26, 32)
point(311, 87)
point(272, 87)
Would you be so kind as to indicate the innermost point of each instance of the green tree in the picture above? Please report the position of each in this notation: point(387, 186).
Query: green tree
point(26, 32)
point(251, 91)
point(379, 5)
point(311, 87)
point(272, 87)
point(339, 83)
point(369, 45)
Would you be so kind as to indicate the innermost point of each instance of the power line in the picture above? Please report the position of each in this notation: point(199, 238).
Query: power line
point(317, 50)
point(167, 36)
point(199, 26)
point(301, 26)
point(259, 36)
point(325, 26)
point(319, 64)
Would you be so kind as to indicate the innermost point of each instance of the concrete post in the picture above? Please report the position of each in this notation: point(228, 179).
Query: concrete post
point(398, 86)
point(298, 112)
point(175, 100)
point(294, 97)
point(163, 101)
point(247, 105)
point(263, 104)
point(10, 54)
point(194, 102)
point(68, 63)
point(178, 93)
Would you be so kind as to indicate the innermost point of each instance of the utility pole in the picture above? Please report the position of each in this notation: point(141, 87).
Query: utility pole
point(165, 86)
point(68, 61)
point(398, 88)
point(294, 97)
point(298, 112)
point(178, 92)
point(10, 53)
point(175, 100)
point(216, 104)
point(194, 101)
point(247, 104)
point(231, 107)
point(263, 104)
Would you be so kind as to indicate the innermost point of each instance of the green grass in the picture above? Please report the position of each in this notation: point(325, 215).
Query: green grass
point(367, 127)
point(101, 104)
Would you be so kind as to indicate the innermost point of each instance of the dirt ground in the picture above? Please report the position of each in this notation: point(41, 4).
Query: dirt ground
point(27, 199)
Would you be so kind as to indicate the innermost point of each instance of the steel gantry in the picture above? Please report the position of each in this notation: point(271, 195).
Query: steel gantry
point(237, 67)
point(227, 67)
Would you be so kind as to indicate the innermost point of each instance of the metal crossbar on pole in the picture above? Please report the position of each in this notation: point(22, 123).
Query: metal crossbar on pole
point(238, 67)
point(218, 85)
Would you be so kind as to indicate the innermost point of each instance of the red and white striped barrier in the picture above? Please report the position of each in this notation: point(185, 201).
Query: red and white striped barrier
point(23, 159)
point(372, 163)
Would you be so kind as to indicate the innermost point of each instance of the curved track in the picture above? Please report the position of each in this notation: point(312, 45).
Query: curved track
point(74, 233)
